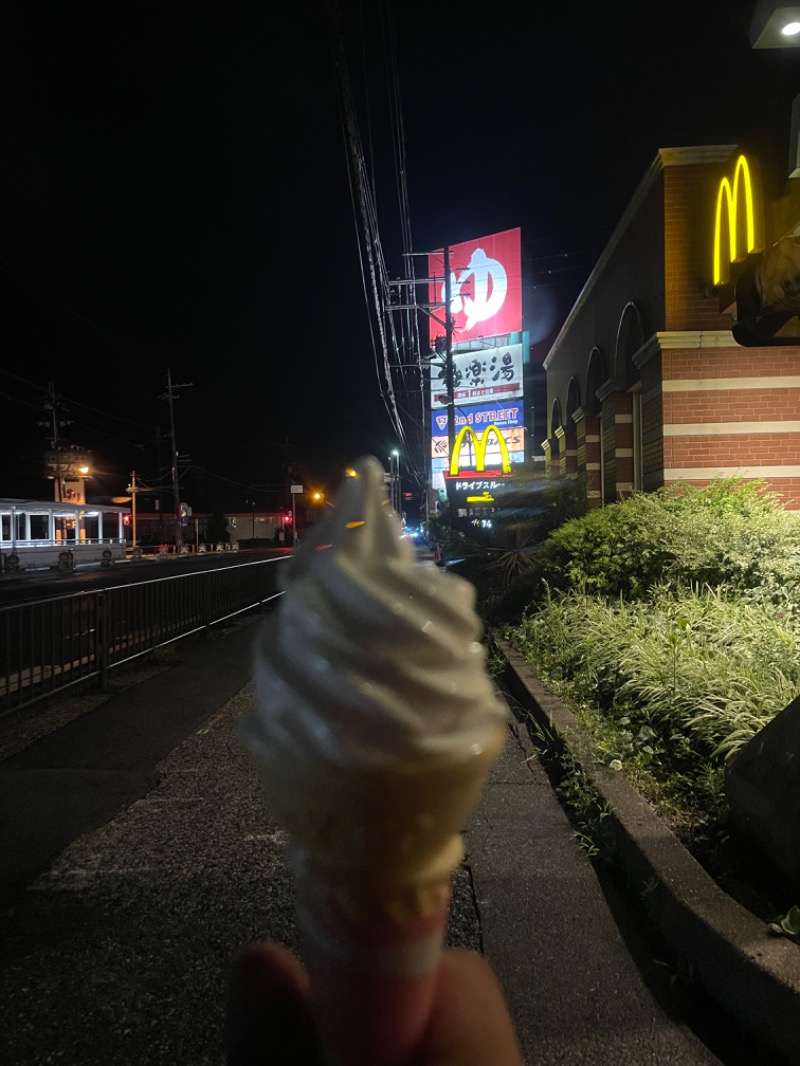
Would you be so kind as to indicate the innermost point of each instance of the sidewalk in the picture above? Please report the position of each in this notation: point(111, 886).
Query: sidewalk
point(138, 856)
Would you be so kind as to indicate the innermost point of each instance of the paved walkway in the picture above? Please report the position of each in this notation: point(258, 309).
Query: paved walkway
point(137, 857)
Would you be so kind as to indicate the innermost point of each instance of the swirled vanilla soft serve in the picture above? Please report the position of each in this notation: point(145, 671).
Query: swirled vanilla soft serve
point(371, 658)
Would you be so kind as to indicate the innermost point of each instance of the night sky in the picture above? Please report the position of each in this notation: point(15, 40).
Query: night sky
point(175, 194)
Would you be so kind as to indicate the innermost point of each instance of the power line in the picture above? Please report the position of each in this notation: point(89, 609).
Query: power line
point(68, 309)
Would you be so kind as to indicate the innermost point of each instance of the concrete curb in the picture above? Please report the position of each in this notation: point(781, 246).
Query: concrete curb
point(752, 974)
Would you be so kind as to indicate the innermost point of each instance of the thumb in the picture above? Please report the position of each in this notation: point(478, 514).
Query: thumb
point(471, 1025)
point(268, 1020)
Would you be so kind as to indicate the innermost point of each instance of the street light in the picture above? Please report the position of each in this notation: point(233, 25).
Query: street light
point(394, 479)
point(775, 24)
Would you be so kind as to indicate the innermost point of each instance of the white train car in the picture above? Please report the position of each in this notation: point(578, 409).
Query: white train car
point(39, 534)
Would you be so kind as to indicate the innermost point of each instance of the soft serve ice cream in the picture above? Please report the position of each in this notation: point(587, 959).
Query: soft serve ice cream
point(375, 728)
point(372, 658)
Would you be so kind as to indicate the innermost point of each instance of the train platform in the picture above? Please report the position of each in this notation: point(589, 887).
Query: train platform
point(138, 856)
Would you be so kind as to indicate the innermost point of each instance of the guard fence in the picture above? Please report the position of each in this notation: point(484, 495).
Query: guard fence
point(50, 644)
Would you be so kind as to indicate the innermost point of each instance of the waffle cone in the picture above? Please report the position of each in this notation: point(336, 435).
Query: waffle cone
point(382, 842)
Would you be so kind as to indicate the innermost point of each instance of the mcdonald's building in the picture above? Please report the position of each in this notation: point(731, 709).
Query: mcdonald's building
point(680, 360)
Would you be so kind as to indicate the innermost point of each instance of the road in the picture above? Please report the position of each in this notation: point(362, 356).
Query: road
point(46, 584)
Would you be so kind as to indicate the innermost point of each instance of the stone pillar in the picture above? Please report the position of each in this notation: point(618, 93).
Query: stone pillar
point(548, 459)
point(588, 455)
point(623, 443)
point(567, 452)
point(616, 442)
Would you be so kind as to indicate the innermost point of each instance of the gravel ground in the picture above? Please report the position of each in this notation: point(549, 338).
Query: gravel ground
point(119, 954)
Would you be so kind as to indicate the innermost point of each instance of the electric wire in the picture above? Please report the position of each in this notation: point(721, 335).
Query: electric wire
point(67, 309)
point(360, 191)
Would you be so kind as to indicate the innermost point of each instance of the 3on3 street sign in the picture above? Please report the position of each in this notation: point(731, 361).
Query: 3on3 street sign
point(297, 489)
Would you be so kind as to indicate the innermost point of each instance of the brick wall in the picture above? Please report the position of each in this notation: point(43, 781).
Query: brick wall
point(733, 411)
point(709, 408)
point(689, 206)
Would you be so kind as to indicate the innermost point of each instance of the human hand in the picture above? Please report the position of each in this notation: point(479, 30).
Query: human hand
point(269, 1015)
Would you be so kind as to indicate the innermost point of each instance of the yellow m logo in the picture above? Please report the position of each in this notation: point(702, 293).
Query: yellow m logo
point(743, 180)
point(480, 449)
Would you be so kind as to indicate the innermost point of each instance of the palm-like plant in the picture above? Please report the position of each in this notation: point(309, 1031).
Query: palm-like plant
point(512, 553)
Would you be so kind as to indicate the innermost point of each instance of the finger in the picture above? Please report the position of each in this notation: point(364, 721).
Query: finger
point(268, 1019)
point(471, 1025)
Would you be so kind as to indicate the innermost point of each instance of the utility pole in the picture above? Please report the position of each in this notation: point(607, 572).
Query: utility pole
point(171, 395)
point(447, 324)
point(160, 500)
point(448, 357)
point(133, 488)
point(52, 404)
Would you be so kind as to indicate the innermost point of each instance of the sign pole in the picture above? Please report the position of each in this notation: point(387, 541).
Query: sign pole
point(448, 357)
point(295, 491)
point(448, 368)
point(134, 491)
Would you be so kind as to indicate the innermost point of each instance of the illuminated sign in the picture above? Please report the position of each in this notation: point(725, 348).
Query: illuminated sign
point(506, 416)
point(69, 465)
point(746, 184)
point(475, 491)
point(491, 373)
point(485, 286)
point(480, 449)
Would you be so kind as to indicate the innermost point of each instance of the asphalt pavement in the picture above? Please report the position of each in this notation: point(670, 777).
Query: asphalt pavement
point(138, 856)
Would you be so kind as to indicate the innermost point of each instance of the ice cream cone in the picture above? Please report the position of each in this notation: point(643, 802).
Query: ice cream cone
point(375, 728)
point(373, 852)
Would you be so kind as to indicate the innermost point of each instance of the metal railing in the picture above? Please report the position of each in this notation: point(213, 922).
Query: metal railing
point(47, 645)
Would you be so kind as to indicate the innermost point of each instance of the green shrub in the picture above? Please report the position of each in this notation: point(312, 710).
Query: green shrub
point(732, 533)
point(671, 623)
point(669, 687)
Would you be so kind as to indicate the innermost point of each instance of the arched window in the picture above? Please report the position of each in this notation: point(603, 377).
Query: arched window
point(573, 403)
point(630, 338)
point(595, 376)
point(556, 420)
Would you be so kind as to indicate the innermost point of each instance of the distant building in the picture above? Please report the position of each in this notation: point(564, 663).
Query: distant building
point(680, 360)
point(243, 526)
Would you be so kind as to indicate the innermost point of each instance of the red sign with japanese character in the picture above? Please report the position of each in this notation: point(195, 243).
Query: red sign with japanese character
point(485, 287)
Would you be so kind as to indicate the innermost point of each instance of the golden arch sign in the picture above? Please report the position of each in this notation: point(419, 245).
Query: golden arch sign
point(745, 186)
point(480, 449)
